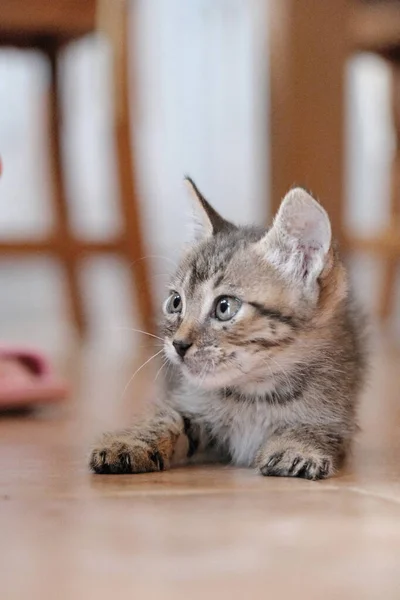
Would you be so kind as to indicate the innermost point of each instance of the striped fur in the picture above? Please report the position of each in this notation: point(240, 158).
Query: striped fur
point(275, 387)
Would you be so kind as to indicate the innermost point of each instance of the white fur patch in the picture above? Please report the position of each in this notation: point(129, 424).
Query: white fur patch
point(240, 426)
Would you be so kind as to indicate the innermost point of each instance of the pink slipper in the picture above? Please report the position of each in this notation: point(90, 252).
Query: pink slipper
point(27, 378)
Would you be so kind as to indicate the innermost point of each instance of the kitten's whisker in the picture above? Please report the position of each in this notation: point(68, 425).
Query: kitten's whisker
point(169, 365)
point(208, 365)
point(137, 371)
point(160, 369)
point(202, 375)
point(269, 368)
point(154, 256)
point(151, 344)
point(157, 337)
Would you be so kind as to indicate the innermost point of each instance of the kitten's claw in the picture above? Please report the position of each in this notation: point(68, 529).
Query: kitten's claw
point(125, 462)
point(118, 456)
point(290, 463)
point(158, 460)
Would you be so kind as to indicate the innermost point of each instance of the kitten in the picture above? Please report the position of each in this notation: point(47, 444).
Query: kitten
point(266, 350)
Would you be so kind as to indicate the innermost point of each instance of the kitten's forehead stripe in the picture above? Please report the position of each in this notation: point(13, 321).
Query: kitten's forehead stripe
point(218, 281)
point(207, 264)
point(213, 257)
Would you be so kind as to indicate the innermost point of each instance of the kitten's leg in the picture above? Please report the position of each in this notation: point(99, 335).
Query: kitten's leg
point(310, 452)
point(147, 446)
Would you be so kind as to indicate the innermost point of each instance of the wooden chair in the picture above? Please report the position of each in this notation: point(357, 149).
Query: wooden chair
point(308, 47)
point(375, 27)
point(310, 43)
point(48, 25)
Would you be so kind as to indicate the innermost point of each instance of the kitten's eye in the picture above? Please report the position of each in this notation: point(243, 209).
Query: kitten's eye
point(226, 308)
point(174, 303)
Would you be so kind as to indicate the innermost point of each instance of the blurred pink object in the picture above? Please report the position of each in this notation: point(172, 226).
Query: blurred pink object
point(27, 378)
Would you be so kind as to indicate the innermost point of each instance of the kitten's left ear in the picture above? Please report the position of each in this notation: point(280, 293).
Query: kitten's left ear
point(299, 240)
point(211, 222)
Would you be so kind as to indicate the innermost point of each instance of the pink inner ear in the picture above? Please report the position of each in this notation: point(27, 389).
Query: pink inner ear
point(304, 220)
point(307, 253)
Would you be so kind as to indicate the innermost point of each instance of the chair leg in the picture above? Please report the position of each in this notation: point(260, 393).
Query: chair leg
point(63, 235)
point(307, 101)
point(388, 287)
point(133, 245)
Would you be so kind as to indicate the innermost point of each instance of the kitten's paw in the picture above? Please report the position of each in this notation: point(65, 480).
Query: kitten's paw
point(116, 454)
point(292, 463)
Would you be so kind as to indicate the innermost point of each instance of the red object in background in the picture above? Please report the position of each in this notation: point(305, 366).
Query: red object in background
point(27, 378)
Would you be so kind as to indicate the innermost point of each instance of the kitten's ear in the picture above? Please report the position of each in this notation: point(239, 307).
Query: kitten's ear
point(300, 238)
point(210, 221)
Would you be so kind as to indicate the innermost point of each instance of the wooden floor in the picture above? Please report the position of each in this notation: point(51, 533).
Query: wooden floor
point(193, 533)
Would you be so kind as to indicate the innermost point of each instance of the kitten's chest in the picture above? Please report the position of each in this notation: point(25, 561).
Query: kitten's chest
point(246, 433)
point(239, 428)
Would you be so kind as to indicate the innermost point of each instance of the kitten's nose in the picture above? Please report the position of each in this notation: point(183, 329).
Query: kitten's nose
point(181, 346)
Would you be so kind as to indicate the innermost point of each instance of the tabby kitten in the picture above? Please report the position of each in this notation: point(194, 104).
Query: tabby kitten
point(266, 352)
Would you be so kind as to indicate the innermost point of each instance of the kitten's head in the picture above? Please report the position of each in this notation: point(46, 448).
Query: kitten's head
point(243, 296)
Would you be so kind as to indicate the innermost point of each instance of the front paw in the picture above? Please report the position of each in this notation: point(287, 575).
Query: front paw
point(292, 462)
point(118, 454)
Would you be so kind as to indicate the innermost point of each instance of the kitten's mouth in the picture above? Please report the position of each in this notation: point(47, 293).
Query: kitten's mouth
point(203, 370)
point(198, 369)
point(205, 374)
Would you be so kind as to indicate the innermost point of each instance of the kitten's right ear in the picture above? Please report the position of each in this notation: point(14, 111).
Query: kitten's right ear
point(211, 222)
point(299, 240)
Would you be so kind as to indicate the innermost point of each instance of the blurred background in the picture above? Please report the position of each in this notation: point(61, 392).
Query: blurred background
point(105, 105)
point(218, 90)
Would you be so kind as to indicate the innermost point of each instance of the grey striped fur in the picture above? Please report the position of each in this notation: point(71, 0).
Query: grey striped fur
point(275, 387)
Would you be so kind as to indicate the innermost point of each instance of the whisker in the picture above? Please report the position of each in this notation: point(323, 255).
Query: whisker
point(157, 337)
point(169, 366)
point(137, 371)
point(203, 373)
point(160, 369)
point(149, 346)
point(154, 256)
